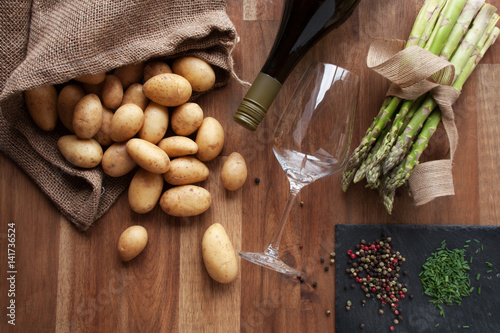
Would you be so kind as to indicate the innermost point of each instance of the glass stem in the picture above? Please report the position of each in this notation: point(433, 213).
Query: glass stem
point(272, 249)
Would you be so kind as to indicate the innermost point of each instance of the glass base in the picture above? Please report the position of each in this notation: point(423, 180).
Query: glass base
point(269, 261)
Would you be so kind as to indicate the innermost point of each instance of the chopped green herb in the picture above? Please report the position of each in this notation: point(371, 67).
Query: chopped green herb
point(489, 264)
point(445, 277)
point(436, 325)
point(467, 241)
point(479, 290)
point(466, 245)
point(477, 241)
point(482, 249)
point(489, 271)
point(465, 326)
point(478, 276)
point(471, 259)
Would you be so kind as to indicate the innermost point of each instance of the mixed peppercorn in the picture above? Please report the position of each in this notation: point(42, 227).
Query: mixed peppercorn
point(376, 268)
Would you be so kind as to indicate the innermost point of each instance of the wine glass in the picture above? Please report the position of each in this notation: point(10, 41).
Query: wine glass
point(311, 141)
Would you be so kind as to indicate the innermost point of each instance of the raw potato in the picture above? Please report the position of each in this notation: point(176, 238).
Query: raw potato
point(42, 106)
point(127, 121)
point(176, 146)
point(68, 97)
point(112, 92)
point(218, 253)
point(155, 123)
point(83, 153)
point(148, 155)
point(132, 241)
point(144, 191)
point(91, 78)
point(210, 139)
point(87, 117)
point(116, 161)
point(234, 172)
point(199, 73)
point(134, 95)
point(185, 200)
point(155, 67)
point(129, 74)
point(103, 136)
point(186, 118)
point(186, 170)
point(167, 89)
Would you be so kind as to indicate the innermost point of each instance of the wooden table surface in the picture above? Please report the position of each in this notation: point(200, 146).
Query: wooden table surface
point(72, 281)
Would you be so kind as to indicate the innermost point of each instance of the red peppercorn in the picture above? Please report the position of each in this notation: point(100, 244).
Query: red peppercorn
point(392, 328)
point(349, 252)
point(368, 277)
point(373, 289)
point(396, 312)
point(353, 256)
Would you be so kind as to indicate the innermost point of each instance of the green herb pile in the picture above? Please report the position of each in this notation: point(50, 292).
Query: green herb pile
point(445, 277)
point(460, 31)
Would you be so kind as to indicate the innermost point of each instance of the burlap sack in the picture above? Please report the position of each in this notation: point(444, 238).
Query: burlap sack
point(51, 41)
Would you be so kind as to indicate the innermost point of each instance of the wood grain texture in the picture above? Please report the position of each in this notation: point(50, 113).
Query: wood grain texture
point(69, 281)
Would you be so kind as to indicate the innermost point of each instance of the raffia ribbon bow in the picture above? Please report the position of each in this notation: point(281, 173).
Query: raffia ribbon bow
point(413, 72)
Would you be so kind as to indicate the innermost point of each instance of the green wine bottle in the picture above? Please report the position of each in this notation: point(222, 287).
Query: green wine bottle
point(303, 23)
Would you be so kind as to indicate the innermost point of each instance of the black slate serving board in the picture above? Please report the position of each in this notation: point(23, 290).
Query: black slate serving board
point(477, 312)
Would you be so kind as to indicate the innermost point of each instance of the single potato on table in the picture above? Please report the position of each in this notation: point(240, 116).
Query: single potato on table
point(132, 241)
point(234, 172)
point(218, 253)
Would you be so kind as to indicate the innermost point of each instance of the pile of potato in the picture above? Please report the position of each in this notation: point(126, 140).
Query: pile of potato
point(119, 120)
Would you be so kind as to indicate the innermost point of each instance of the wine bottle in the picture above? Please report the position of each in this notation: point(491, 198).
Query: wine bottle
point(303, 23)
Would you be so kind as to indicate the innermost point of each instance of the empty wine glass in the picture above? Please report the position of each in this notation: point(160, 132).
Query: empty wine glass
point(311, 141)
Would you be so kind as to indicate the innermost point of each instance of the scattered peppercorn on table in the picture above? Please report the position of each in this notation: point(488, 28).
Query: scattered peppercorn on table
point(59, 279)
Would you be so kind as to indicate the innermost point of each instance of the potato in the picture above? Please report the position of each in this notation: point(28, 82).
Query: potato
point(83, 153)
point(128, 74)
point(199, 73)
point(218, 254)
point(87, 117)
point(42, 106)
point(234, 172)
point(112, 92)
point(103, 136)
point(185, 200)
point(186, 170)
point(176, 146)
point(186, 118)
point(126, 122)
point(144, 191)
point(155, 67)
point(155, 123)
point(148, 155)
point(134, 95)
point(210, 139)
point(91, 78)
point(68, 97)
point(116, 161)
point(131, 242)
point(167, 89)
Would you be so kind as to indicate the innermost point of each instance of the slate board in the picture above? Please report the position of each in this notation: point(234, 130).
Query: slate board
point(480, 312)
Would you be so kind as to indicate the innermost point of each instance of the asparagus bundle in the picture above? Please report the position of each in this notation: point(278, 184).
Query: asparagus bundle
point(460, 31)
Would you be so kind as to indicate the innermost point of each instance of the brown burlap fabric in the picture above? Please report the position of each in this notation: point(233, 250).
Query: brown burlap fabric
point(51, 41)
point(413, 72)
